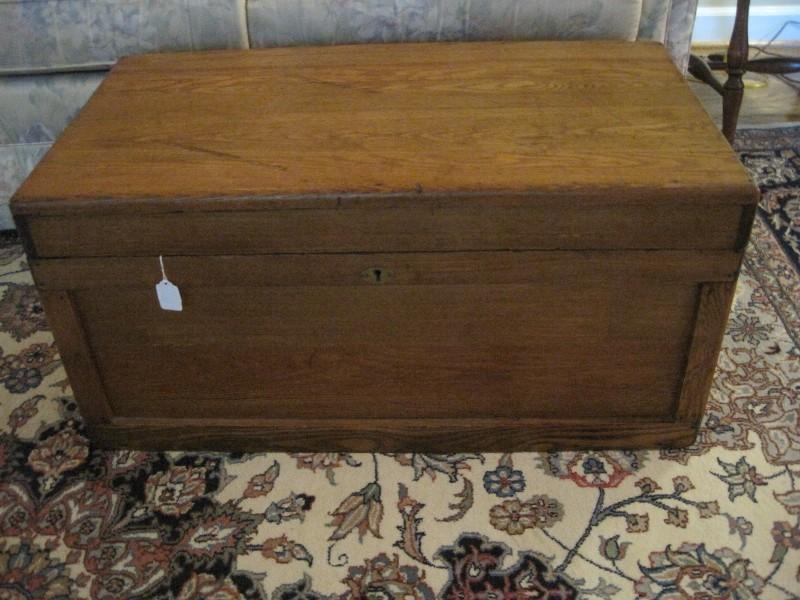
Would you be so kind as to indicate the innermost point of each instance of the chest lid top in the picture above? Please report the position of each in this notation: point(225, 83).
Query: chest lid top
point(234, 129)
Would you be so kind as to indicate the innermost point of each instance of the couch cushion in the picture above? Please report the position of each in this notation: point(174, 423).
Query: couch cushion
point(69, 34)
point(679, 31)
point(653, 22)
point(37, 108)
point(290, 22)
point(34, 110)
point(16, 161)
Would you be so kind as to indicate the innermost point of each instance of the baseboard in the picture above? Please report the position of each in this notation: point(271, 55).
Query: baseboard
point(714, 24)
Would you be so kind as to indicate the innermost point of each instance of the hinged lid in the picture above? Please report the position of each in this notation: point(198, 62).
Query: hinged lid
point(445, 126)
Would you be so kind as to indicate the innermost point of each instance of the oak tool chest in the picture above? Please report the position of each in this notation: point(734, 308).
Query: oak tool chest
point(440, 247)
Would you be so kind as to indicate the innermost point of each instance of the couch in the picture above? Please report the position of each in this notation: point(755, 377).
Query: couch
point(54, 53)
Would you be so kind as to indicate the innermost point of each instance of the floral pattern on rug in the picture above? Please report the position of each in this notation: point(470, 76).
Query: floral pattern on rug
point(773, 158)
point(719, 520)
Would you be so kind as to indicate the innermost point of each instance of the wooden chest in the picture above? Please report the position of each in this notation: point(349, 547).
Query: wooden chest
point(441, 247)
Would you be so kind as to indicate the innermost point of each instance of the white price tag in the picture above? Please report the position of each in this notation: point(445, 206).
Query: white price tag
point(169, 296)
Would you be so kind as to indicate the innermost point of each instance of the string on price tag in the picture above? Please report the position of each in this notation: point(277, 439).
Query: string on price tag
point(169, 296)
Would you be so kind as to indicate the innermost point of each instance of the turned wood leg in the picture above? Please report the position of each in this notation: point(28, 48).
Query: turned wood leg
point(733, 90)
point(699, 69)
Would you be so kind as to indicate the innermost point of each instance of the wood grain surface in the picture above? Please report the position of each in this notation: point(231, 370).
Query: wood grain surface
point(709, 330)
point(77, 355)
point(411, 268)
point(343, 121)
point(416, 228)
point(390, 435)
point(441, 247)
point(378, 351)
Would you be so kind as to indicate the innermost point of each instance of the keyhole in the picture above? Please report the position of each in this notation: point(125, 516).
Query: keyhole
point(376, 275)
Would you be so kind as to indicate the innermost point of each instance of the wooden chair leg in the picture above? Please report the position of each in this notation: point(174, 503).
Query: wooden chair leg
point(699, 69)
point(733, 90)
